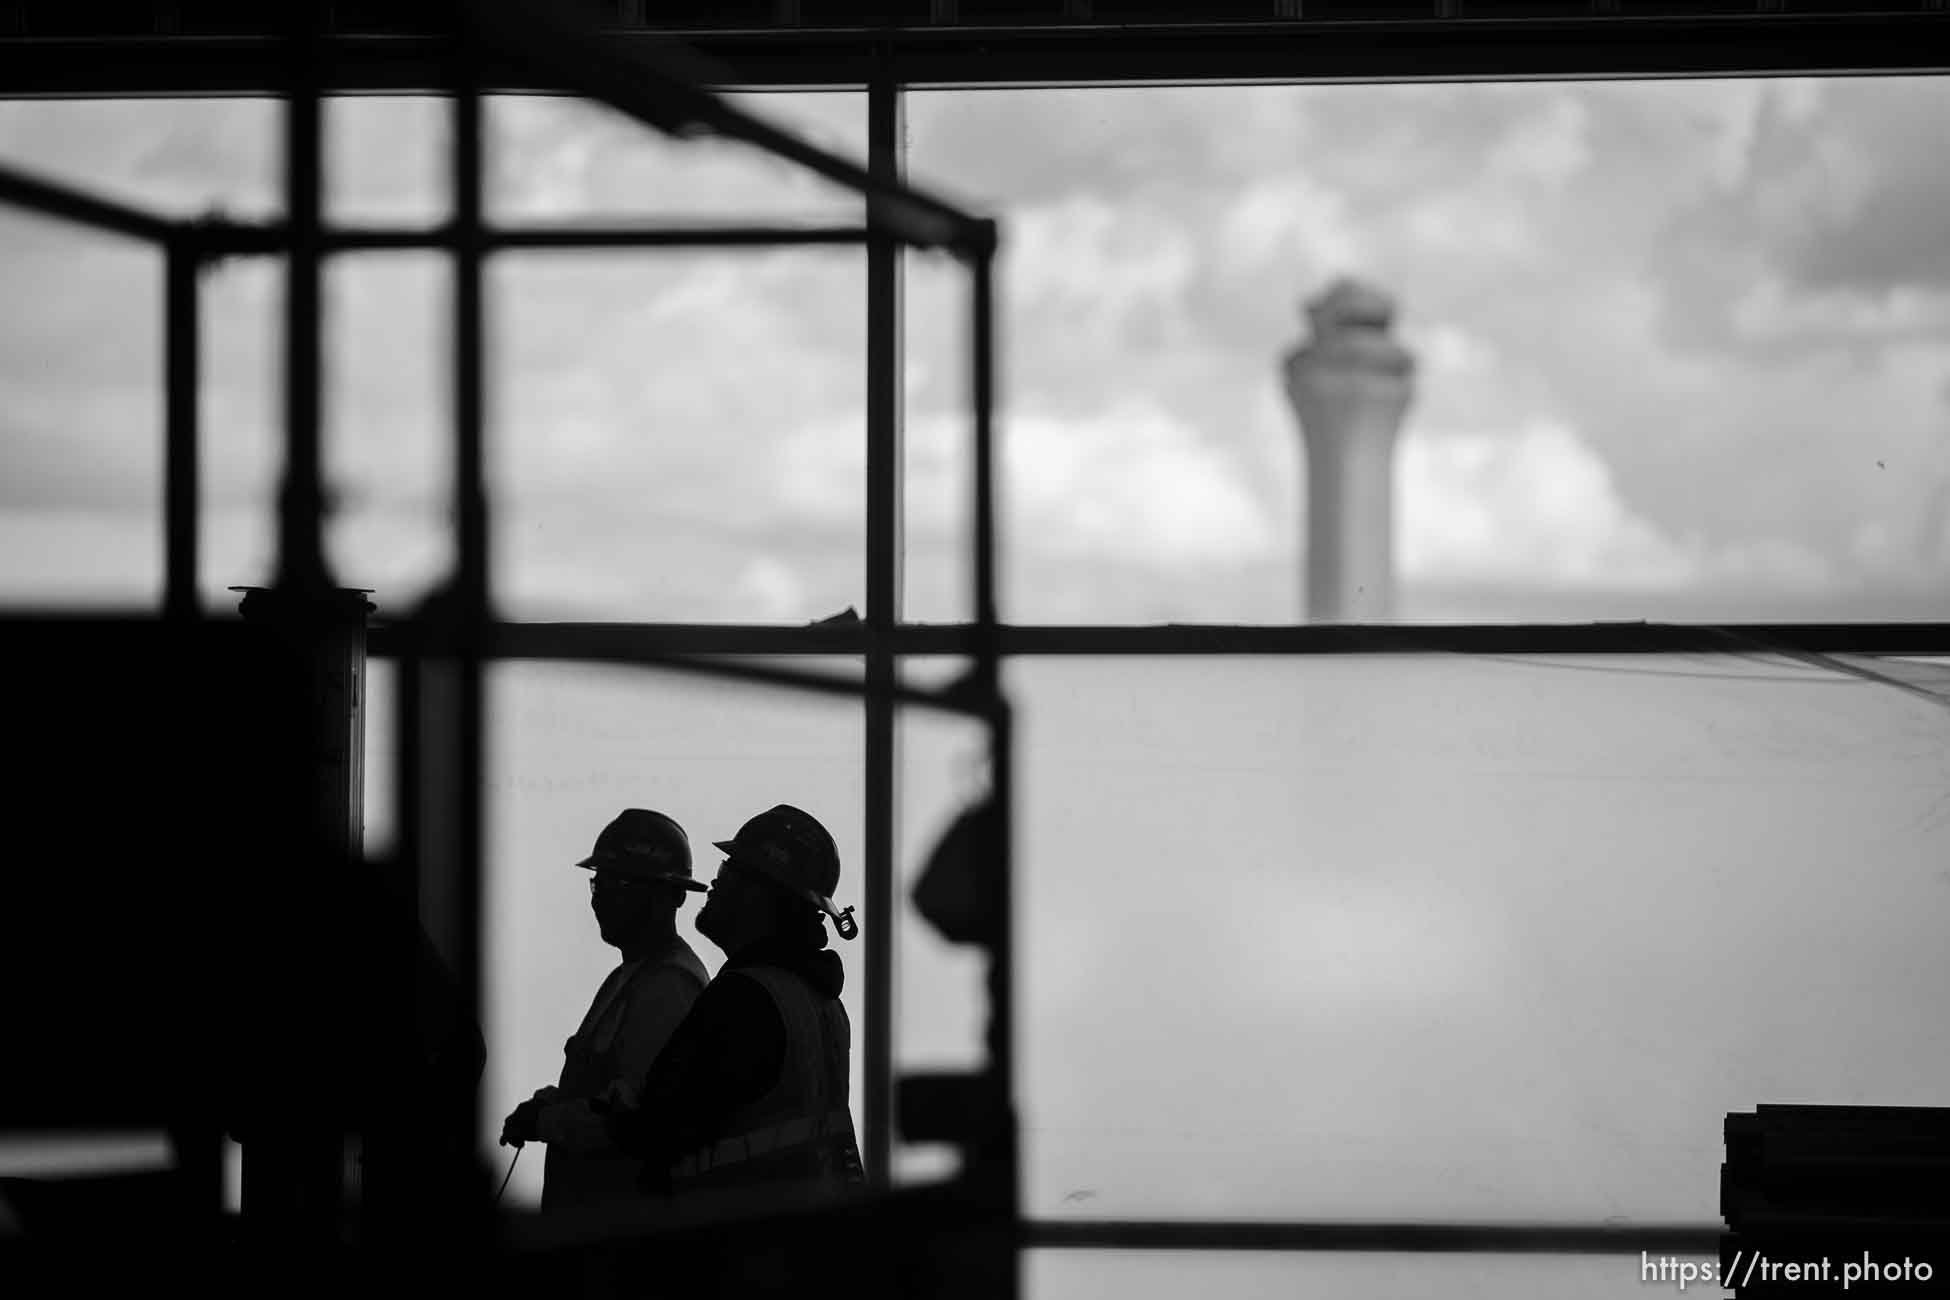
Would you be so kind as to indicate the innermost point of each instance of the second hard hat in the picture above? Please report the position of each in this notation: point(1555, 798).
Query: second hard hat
point(789, 847)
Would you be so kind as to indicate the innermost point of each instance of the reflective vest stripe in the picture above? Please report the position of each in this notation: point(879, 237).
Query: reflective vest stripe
point(800, 1132)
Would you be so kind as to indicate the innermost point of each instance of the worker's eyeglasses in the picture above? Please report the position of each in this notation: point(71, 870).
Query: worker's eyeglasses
point(604, 884)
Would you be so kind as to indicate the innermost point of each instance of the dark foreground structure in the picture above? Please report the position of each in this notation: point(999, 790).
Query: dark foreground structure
point(221, 962)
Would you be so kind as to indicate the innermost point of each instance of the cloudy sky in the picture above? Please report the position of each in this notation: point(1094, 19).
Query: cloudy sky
point(1681, 344)
point(1681, 355)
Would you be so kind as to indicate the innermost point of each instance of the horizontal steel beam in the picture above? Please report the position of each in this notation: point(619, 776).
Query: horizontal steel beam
point(659, 85)
point(1489, 638)
point(1695, 1239)
point(627, 646)
point(608, 640)
point(681, 642)
point(572, 237)
point(1354, 51)
point(223, 238)
point(1758, 43)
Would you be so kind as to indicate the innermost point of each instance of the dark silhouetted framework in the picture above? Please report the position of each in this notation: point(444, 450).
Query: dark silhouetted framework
point(443, 646)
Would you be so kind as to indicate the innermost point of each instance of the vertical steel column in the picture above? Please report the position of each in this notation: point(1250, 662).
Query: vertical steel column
point(182, 367)
point(447, 1230)
point(1004, 1161)
point(398, 1159)
point(294, 1163)
point(471, 603)
point(301, 497)
point(982, 384)
point(470, 405)
point(885, 529)
point(198, 1139)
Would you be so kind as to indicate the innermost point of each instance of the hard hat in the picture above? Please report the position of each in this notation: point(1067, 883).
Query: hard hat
point(644, 845)
point(789, 847)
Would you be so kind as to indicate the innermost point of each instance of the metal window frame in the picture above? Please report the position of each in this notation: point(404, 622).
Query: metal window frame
point(456, 627)
point(1178, 45)
point(458, 623)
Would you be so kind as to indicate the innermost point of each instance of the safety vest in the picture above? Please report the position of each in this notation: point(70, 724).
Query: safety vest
point(591, 1063)
point(800, 1133)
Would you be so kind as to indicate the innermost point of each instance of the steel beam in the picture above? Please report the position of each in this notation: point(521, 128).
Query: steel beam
point(885, 538)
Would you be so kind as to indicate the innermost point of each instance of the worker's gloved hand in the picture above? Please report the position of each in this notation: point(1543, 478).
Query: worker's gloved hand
point(524, 1121)
point(521, 1126)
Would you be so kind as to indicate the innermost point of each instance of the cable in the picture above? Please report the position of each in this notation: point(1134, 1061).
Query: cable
point(510, 1174)
point(1832, 663)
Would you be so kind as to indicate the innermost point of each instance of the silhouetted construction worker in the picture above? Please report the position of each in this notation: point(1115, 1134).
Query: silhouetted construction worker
point(642, 868)
point(751, 1093)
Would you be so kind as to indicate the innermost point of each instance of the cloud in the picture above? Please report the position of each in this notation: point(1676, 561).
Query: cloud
point(1130, 484)
point(386, 158)
point(1134, 483)
point(1537, 505)
point(558, 159)
point(1546, 148)
point(666, 377)
point(1289, 214)
point(1115, 140)
point(1085, 256)
point(1834, 195)
point(560, 559)
point(1870, 183)
point(1770, 310)
point(66, 556)
point(190, 157)
point(771, 590)
point(1540, 507)
point(397, 551)
point(102, 453)
point(80, 368)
